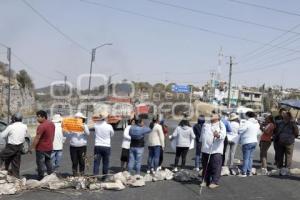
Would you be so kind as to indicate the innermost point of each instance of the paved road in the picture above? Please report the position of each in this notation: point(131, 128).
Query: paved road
point(231, 187)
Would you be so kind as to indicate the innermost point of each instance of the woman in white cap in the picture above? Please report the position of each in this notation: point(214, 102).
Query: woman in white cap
point(233, 140)
point(58, 142)
point(78, 143)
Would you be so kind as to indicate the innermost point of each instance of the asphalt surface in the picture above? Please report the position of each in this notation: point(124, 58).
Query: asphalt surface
point(256, 187)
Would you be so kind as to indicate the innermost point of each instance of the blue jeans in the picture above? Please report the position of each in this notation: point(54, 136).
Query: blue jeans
point(135, 159)
point(198, 154)
point(104, 154)
point(153, 158)
point(56, 157)
point(248, 151)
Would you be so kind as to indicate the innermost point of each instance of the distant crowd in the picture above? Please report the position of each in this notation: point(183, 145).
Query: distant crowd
point(215, 140)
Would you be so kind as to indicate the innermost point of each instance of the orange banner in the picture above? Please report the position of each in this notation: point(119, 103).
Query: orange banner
point(71, 124)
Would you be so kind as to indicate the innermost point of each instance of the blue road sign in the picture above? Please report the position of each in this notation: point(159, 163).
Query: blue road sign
point(181, 88)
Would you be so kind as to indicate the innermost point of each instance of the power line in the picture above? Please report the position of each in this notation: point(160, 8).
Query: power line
point(268, 66)
point(271, 49)
point(220, 16)
point(54, 27)
point(265, 7)
point(184, 25)
point(270, 42)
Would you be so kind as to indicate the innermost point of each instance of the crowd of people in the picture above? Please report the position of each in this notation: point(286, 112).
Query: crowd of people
point(215, 140)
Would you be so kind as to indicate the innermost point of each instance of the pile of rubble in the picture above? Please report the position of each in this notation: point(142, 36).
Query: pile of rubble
point(10, 185)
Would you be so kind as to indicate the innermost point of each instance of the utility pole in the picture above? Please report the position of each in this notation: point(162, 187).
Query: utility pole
point(229, 82)
point(9, 82)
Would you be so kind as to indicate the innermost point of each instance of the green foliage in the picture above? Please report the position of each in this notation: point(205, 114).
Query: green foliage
point(24, 80)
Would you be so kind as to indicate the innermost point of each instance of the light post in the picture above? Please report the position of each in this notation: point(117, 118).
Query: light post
point(93, 55)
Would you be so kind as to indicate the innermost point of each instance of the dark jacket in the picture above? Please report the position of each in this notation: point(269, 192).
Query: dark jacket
point(137, 134)
point(197, 129)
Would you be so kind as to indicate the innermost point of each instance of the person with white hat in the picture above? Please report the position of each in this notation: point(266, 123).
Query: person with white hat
point(212, 138)
point(78, 143)
point(233, 140)
point(103, 134)
point(58, 142)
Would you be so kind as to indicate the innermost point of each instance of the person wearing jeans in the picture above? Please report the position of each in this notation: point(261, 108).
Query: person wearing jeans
point(156, 142)
point(183, 136)
point(103, 134)
point(233, 140)
point(43, 144)
point(58, 142)
point(197, 131)
point(137, 133)
point(249, 131)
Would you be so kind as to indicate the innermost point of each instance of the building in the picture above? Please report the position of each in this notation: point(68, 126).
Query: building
point(251, 99)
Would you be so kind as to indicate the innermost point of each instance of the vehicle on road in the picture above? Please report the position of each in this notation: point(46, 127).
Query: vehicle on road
point(3, 141)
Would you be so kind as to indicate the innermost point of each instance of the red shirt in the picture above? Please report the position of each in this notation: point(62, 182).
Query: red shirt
point(268, 133)
point(46, 130)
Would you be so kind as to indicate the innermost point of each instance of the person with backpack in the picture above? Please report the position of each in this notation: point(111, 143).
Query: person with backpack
point(156, 142)
point(137, 134)
point(287, 132)
point(197, 131)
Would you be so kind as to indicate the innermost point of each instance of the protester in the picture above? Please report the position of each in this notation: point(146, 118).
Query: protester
point(161, 154)
point(249, 131)
point(78, 145)
point(265, 142)
point(225, 121)
point(137, 133)
point(15, 135)
point(58, 142)
point(233, 141)
point(103, 134)
point(212, 138)
point(156, 142)
point(126, 145)
point(197, 131)
point(183, 136)
point(278, 119)
point(287, 132)
point(43, 144)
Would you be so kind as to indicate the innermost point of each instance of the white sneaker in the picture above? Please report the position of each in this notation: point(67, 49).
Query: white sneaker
point(175, 169)
point(197, 169)
point(242, 175)
point(264, 171)
point(159, 168)
point(148, 172)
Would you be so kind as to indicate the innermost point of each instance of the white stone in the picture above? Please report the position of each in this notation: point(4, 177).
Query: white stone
point(8, 188)
point(148, 178)
point(3, 174)
point(295, 171)
point(3, 181)
point(95, 186)
point(169, 175)
point(31, 184)
point(120, 176)
point(118, 185)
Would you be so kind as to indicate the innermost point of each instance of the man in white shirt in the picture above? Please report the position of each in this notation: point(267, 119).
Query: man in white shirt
point(212, 138)
point(15, 134)
point(103, 134)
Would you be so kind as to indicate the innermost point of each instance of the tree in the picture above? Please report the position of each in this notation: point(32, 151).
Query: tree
point(24, 80)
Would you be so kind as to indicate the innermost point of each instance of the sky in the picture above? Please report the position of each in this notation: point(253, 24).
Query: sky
point(154, 41)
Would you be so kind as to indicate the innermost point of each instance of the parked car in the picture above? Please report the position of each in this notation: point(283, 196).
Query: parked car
point(26, 144)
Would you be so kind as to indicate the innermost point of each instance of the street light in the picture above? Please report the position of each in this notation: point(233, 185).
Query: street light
point(91, 68)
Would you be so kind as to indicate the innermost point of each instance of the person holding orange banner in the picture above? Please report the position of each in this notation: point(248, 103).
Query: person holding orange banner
point(78, 143)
